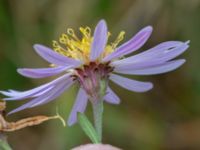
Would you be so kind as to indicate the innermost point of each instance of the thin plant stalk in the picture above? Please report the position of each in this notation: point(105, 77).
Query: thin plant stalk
point(98, 116)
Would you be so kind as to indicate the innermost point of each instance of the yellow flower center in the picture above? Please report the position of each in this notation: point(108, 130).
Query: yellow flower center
point(72, 46)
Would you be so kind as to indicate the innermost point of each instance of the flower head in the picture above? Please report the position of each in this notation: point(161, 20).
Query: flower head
point(90, 60)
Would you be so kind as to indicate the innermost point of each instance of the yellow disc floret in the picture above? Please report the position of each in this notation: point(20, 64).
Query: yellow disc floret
point(71, 46)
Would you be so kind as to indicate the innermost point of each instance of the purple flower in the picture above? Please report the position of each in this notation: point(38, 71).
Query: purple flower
point(90, 60)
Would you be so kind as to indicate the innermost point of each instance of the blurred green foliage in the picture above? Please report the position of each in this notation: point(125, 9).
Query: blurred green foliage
point(166, 118)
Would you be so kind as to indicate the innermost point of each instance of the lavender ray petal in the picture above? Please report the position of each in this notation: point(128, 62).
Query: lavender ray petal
point(25, 94)
point(174, 47)
point(171, 54)
point(51, 95)
point(60, 89)
point(132, 45)
point(150, 62)
point(111, 97)
point(158, 69)
point(55, 58)
point(43, 97)
point(132, 85)
point(16, 95)
point(137, 65)
point(99, 40)
point(41, 72)
point(79, 106)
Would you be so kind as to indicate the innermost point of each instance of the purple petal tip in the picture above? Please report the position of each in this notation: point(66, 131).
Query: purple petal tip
point(187, 42)
point(149, 86)
point(148, 28)
point(37, 46)
point(102, 21)
point(20, 70)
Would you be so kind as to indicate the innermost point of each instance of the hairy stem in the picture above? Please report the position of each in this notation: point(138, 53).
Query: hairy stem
point(98, 109)
point(98, 114)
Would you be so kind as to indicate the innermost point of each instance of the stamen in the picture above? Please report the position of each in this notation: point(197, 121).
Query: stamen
point(59, 49)
point(86, 32)
point(119, 38)
point(64, 39)
point(80, 49)
point(109, 34)
point(72, 34)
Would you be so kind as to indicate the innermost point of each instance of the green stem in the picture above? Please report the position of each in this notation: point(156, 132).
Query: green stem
point(94, 133)
point(98, 114)
point(98, 109)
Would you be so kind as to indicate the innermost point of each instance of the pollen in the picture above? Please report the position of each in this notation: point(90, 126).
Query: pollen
point(71, 45)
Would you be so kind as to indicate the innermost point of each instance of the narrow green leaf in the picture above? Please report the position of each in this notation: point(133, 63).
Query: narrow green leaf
point(88, 128)
point(4, 145)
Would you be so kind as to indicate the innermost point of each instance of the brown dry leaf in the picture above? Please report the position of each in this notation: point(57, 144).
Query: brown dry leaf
point(6, 126)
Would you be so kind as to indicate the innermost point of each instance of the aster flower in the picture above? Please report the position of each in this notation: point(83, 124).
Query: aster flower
point(91, 61)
